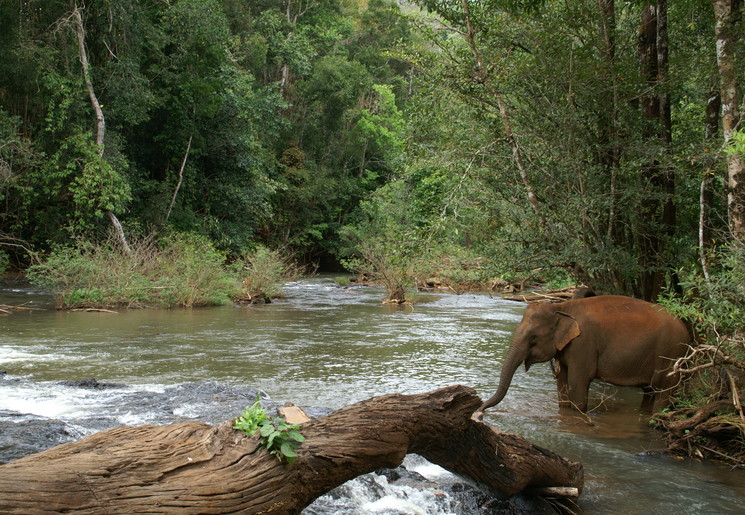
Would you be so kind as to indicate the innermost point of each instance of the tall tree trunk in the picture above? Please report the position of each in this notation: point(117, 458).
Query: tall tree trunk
point(725, 15)
point(609, 125)
point(706, 193)
point(100, 120)
point(610, 157)
point(667, 173)
point(657, 219)
point(193, 467)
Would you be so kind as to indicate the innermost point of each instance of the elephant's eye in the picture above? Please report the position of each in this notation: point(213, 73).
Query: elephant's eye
point(532, 340)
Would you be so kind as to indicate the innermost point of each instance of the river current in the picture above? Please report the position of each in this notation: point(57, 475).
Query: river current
point(323, 347)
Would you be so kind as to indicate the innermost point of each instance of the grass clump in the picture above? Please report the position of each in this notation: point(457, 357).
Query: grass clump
point(263, 274)
point(182, 270)
point(277, 436)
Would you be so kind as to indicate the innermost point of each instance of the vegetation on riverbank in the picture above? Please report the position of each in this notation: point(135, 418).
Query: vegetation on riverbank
point(183, 270)
point(707, 418)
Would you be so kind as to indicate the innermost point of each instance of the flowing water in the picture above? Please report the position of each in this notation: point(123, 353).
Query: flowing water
point(326, 346)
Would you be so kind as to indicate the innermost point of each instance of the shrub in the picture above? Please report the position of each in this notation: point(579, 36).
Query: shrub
point(191, 272)
point(89, 275)
point(715, 306)
point(181, 270)
point(264, 273)
point(384, 246)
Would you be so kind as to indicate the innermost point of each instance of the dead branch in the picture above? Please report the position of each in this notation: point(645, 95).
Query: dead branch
point(716, 356)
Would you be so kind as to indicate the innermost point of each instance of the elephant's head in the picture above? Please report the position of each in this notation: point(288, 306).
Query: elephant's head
point(543, 332)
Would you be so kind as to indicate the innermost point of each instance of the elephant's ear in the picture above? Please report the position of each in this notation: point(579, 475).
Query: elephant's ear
point(566, 330)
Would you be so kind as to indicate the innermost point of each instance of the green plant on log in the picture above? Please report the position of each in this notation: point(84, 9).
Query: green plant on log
point(277, 436)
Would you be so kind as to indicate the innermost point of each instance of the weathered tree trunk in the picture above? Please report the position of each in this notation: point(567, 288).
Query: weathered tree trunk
point(100, 120)
point(727, 36)
point(194, 467)
point(658, 208)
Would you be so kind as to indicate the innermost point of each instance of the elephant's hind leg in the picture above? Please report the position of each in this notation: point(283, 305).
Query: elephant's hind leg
point(647, 399)
point(663, 387)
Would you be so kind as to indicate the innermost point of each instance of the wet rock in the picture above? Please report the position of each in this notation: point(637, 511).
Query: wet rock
point(28, 436)
point(402, 475)
point(92, 384)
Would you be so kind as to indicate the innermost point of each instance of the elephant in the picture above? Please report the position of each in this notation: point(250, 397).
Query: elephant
point(620, 340)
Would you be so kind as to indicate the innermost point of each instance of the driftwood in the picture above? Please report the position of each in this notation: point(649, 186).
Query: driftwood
point(572, 292)
point(193, 467)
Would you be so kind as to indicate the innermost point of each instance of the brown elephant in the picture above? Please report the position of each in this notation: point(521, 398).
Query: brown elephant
point(619, 340)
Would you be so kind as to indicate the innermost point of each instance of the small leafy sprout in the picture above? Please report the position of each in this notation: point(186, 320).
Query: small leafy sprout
point(277, 436)
point(251, 418)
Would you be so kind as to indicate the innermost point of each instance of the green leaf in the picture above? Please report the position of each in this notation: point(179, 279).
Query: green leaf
point(295, 435)
point(270, 439)
point(267, 428)
point(288, 450)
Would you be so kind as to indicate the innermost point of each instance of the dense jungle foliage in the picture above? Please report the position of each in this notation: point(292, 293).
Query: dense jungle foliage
point(589, 142)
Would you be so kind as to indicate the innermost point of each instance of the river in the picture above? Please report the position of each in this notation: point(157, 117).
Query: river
point(326, 346)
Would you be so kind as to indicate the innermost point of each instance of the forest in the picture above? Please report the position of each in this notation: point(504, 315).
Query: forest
point(524, 141)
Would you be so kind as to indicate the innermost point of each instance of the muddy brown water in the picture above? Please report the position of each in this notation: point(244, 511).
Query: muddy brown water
point(327, 346)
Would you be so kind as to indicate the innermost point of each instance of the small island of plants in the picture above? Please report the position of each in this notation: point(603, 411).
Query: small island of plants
point(182, 270)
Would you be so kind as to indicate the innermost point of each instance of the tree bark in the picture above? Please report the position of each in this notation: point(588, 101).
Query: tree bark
point(725, 13)
point(706, 191)
point(194, 467)
point(100, 120)
point(657, 218)
point(611, 152)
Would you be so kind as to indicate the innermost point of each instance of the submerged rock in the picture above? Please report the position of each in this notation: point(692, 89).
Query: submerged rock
point(28, 436)
point(92, 384)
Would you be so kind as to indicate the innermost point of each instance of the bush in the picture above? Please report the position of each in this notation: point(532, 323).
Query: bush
point(191, 272)
point(717, 306)
point(707, 419)
point(384, 245)
point(264, 273)
point(181, 270)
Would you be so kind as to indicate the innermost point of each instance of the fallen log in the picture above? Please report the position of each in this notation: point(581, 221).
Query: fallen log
point(195, 467)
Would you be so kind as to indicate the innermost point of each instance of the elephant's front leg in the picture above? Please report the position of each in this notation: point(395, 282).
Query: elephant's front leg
point(562, 385)
point(577, 386)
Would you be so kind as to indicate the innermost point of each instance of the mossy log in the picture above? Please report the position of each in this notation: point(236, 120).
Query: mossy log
point(192, 467)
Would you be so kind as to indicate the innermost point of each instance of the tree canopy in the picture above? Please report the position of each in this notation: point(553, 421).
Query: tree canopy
point(592, 140)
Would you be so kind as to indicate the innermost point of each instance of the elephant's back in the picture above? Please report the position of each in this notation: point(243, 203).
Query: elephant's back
point(633, 314)
point(619, 305)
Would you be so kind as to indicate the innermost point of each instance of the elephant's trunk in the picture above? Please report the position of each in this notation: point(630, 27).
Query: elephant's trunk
point(514, 357)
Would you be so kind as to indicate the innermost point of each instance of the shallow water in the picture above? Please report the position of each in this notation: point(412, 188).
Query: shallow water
point(327, 346)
